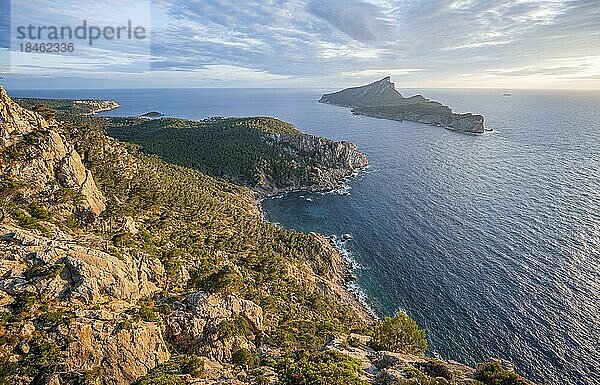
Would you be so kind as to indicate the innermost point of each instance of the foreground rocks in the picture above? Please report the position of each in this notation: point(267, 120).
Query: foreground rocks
point(215, 327)
point(41, 158)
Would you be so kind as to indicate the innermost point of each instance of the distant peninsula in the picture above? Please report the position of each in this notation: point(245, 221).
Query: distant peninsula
point(381, 100)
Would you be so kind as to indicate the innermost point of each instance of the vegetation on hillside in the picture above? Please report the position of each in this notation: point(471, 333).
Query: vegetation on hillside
point(399, 334)
point(253, 152)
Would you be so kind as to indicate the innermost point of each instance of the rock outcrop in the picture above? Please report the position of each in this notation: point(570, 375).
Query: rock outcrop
point(98, 289)
point(81, 275)
point(215, 326)
point(121, 355)
point(15, 120)
point(333, 162)
point(41, 157)
point(381, 100)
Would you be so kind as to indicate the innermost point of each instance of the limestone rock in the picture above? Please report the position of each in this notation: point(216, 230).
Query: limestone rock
point(51, 159)
point(84, 275)
point(335, 160)
point(122, 355)
point(198, 326)
point(16, 120)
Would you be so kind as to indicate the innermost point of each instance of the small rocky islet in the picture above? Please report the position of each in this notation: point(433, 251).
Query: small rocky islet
point(118, 267)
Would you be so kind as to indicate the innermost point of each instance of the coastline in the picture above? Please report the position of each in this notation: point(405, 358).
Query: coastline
point(342, 266)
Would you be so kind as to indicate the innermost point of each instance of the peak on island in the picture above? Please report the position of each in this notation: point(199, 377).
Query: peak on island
point(381, 100)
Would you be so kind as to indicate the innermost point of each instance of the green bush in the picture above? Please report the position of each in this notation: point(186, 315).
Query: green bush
point(226, 280)
point(192, 365)
point(43, 357)
point(399, 334)
point(322, 368)
point(237, 326)
point(38, 211)
point(7, 371)
point(10, 187)
point(23, 303)
point(244, 357)
point(167, 373)
point(492, 373)
point(28, 222)
point(147, 310)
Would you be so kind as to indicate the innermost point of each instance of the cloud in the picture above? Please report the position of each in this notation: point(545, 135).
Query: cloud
point(383, 72)
point(330, 42)
point(362, 21)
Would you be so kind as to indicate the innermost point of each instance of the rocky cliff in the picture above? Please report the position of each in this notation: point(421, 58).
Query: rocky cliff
point(330, 161)
point(37, 155)
point(381, 100)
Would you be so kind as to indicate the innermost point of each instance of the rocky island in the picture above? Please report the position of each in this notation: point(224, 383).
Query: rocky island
point(152, 114)
point(118, 267)
point(381, 100)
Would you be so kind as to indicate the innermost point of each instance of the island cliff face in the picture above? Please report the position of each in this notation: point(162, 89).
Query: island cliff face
point(381, 100)
point(117, 267)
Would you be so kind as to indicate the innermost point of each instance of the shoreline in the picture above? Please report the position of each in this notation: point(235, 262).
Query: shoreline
point(354, 110)
point(343, 266)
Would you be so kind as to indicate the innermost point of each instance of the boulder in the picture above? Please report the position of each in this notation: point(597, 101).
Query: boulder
point(198, 327)
point(122, 355)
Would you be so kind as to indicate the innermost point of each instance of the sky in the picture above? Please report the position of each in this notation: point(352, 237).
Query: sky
point(534, 44)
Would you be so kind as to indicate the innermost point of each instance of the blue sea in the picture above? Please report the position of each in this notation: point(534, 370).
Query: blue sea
point(491, 242)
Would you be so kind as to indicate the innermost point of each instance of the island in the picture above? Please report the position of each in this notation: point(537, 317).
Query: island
point(152, 114)
point(381, 100)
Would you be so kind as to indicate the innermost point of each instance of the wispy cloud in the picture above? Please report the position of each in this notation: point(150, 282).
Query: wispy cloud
point(422, 42)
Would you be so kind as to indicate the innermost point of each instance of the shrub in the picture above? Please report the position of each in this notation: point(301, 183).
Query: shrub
point(192, 365)
point(44, 271)
point(147, 310)
point(226, 281)
point(322, 368)
point(10, 187)
point(28, 222)
point(492, 373)
point(23, 303)
point(43, 357)
point(237, 326)
point(400, 334)
point(38, 211)
point(244, 357)
point(354, 342)
point(7, 370)
point(167, 373)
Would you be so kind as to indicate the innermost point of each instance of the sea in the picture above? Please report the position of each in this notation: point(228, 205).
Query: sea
point(490, 242)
